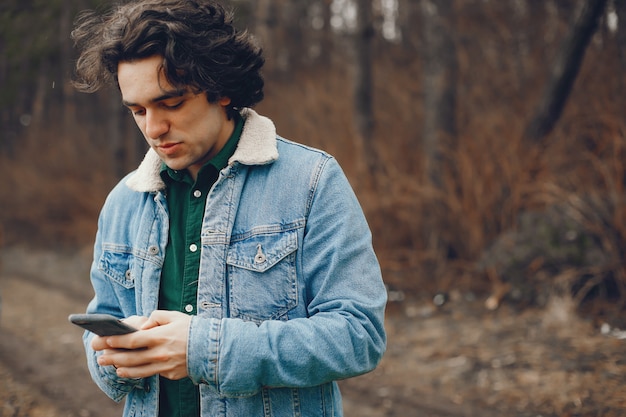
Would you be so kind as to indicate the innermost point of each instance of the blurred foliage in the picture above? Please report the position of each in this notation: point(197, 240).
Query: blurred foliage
point(494, 188)
point(22, 48)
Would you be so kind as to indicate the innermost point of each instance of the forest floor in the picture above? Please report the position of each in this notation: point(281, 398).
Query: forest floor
point(458, 359)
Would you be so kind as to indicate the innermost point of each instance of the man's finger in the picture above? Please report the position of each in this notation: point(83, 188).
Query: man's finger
point(160, 318)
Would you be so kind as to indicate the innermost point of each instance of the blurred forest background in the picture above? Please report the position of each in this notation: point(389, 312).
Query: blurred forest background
point(484, 138)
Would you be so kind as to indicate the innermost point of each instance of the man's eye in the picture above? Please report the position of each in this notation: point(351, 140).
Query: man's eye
point(173, 106)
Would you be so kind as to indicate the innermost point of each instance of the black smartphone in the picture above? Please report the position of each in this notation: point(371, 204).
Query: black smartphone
point(101, 324)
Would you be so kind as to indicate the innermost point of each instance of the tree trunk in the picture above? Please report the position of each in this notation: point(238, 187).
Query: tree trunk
point(327, 42)
point(439, 83)
point(408, 12)
point(520, 12)
point(265, 23)
point(363, 107)
point(68, 91)
point(564, 71)
point(620, 9)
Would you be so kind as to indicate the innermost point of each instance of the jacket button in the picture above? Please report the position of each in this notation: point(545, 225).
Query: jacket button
point(153, 250)
point(259, 258)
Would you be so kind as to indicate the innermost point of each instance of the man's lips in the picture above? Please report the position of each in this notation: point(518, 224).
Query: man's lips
point(168, 148)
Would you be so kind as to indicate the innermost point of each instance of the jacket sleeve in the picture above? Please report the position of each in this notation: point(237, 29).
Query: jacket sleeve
point(105, 301)
point(343, 335)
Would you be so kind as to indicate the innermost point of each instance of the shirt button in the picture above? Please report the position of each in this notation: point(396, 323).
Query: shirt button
point(197, 193)
point(193, 247)
point(188, 308)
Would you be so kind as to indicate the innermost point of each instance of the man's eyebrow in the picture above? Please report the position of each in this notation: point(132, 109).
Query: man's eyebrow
point(166, 95)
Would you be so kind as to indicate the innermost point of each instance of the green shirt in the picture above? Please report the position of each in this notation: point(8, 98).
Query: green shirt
point(179, 278)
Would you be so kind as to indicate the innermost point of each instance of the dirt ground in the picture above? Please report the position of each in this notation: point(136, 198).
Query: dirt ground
point(458, 359)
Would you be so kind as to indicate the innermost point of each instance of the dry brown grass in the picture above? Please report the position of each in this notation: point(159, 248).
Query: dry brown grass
point(492, 177)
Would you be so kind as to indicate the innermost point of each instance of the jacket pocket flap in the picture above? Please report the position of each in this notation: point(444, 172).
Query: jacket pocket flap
point(262, 251)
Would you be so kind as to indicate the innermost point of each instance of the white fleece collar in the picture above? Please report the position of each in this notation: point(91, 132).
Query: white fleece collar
point(257, 146)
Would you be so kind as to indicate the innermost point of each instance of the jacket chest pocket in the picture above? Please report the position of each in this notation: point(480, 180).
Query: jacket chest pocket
point(117, 266)
point(262, 276)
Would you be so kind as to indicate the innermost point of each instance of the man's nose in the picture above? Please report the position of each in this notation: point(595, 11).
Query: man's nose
point(156, 125)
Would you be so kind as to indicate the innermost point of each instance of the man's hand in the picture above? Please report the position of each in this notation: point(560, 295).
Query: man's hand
point(158, 347)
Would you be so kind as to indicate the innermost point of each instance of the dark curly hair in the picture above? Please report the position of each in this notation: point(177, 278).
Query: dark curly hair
point(201, 48)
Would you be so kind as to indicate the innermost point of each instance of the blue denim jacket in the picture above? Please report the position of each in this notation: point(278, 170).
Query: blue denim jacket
point(290, 293)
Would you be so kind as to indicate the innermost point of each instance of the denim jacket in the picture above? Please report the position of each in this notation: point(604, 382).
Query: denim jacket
point(290, 293)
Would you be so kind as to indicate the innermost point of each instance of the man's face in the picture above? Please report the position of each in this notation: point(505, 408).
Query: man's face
point(182, 127)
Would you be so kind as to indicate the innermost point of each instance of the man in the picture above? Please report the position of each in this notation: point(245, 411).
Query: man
point(243, 258)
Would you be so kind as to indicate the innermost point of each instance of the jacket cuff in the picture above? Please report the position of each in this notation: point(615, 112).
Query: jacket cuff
point(106, 377)
point(203, 351)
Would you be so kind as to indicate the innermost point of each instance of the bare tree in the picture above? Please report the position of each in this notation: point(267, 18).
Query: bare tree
point(520, 12)
point(363, 88)
point(564, 71)
point(67, 91)
point(620, 9)
point(327, 34)
point(266, 23)
point(408, 12)
point(440, 68)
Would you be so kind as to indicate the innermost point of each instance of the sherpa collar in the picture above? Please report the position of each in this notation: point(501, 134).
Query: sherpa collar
point(257, 146)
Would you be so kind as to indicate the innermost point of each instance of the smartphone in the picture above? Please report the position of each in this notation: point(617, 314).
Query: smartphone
point(101, 324)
